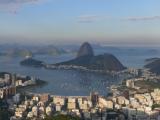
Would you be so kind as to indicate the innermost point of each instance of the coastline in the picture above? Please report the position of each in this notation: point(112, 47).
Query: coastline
point(80, 68)
point(39, 83)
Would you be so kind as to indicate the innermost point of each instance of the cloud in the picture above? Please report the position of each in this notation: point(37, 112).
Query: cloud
point(145, 18)
point(87, 18)
point(14, 5)
point(91, 18)
point(16, 1)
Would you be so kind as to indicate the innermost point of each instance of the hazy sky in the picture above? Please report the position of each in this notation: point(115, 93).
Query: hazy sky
point(63, 21)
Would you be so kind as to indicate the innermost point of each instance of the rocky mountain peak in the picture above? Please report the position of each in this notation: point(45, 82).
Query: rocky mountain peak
point(85, 50)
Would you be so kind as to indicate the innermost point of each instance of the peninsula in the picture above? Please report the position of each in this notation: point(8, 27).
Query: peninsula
point(86, 59)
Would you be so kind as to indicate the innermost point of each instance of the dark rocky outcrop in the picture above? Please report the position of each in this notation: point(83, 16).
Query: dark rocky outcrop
point(106, 62)
point(85, 50)
point(86, 58)
point(151, 59)
point(154, 66)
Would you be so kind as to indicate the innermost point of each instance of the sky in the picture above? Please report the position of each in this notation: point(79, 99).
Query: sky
point(112, 22)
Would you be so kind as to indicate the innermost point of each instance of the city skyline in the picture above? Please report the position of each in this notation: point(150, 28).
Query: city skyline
point(112, 22)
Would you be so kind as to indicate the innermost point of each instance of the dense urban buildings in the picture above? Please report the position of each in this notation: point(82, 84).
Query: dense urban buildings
point(127, 102)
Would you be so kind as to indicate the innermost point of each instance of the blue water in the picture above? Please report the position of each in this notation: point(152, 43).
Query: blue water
point(72, 82)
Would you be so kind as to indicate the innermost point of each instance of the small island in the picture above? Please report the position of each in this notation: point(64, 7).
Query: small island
point(32, 62)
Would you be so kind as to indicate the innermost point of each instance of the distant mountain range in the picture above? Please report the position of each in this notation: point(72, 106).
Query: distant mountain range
point(49, 50)
point(86, 58)
point(32, 51)
point(16, 52)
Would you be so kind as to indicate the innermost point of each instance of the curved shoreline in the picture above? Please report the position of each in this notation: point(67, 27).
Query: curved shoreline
point(38, 83)
point(64, 96)
point(81, 68)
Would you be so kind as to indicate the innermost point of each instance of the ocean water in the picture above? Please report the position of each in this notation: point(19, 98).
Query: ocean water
point(73, 82)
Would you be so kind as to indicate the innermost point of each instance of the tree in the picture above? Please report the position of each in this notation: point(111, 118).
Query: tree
point(4, 114)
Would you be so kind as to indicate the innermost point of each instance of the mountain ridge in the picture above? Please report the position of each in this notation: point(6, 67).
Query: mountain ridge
point(85, 50)
point(105, 62)
point(154, 66)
